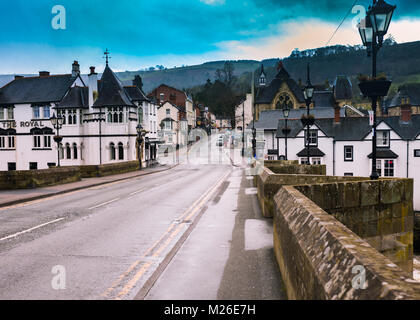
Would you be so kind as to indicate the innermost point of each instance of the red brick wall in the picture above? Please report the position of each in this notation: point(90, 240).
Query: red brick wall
point(172, 95)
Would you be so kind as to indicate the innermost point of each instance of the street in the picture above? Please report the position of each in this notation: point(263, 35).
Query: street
point(150, 237)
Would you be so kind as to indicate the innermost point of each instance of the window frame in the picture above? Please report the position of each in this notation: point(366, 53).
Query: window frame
point(390, 168)
point(388, 132)
point(417, 153)
point(346, 159)
point(308, 137)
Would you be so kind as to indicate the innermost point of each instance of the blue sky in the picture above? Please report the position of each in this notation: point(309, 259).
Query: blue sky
point(142, 33)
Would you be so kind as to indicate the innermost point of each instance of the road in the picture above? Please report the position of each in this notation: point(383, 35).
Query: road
point(112, 241)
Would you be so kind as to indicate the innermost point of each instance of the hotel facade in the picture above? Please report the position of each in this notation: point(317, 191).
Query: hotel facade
point(100, 121)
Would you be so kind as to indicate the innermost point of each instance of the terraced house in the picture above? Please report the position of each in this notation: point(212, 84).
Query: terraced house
point(99, 120)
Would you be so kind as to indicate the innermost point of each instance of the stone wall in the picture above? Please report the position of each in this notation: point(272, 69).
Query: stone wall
point(38, 178)
point(381, 212)
point(320, 258)
point(268, 183)
point(108, 169)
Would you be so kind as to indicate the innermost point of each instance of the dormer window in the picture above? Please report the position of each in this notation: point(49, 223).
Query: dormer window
point(383, 139)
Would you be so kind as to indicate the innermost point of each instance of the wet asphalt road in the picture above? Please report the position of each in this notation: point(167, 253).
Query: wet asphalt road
point(108, 242)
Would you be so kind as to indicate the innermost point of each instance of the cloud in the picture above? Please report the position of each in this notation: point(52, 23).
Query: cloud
point(213, 2)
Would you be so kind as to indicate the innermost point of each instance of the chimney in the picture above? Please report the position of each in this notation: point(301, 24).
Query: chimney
point(44, 73)
point(18, 77)
point(337, 115)
point(75, 71)
point(93, 86)
point(406, 110)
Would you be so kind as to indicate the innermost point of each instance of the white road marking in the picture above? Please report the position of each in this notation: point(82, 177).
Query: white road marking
point(31, 229)
point(136, 192)
point(258, 235)
point(104, 204)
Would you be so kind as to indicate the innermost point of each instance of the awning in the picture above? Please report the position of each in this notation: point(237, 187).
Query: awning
point(313, 152)
point(384, 154)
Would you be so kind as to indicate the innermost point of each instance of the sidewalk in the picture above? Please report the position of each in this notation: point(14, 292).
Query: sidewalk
point(11, 197)
point(228, 255)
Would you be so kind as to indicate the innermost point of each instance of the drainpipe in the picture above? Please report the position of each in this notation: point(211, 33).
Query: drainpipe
point(334, 157)
point(408, 154)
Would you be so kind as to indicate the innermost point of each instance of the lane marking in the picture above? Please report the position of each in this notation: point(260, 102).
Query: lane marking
point(136, 192)
point(189, 213)
point(104, 204)
point(31, 229)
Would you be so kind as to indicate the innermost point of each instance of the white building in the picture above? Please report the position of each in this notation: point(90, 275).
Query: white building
point(100, 120)
point(173, 126)
point(345, 146)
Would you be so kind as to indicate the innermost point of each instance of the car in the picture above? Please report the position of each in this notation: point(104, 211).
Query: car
point(220, 141)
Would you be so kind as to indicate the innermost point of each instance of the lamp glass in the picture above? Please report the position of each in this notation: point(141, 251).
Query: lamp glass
point(286, 112)
point(308, 92)
point(54, 120)
point(60, 120)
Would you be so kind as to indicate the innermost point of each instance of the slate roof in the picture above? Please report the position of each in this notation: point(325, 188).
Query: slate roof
point(135, 93)
point(269, 118)
point(111, 91)
point(324, 99)
point(354, 129)
point(343, 88)
point(77, 97)
point(36, 89)
point(267, 94)
point(408, 90)
point(313, 152)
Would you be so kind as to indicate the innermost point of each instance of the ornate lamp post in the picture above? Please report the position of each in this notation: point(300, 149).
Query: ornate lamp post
point(286, 130)
point(372, 31)
point(57, 123)
point(308, 93)
point(140, 139)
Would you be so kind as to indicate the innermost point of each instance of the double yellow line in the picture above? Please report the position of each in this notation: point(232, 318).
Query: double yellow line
point(156, 249)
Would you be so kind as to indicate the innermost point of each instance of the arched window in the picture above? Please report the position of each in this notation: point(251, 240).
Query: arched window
point(68, 151)
point(74, 151)
point(112, 151)
point(285, 100)
point(120, 151)
point(61, 151)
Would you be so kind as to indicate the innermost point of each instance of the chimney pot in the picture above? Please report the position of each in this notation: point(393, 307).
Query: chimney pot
point(92, 70)
point(75, 71)
point(44, 73)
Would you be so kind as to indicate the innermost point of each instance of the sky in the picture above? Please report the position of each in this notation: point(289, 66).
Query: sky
point(141, 33)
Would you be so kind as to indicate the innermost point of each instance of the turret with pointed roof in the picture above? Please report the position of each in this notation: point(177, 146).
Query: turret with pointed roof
point(111, 91)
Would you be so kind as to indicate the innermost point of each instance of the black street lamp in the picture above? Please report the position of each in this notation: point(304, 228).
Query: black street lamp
point(372, 30)
point(57, 123)
point(308, 93)
point(140, 139)
point(286, 130)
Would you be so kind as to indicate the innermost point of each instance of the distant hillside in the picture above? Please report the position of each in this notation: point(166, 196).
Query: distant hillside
point(187, 77)
point(401, 62)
